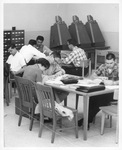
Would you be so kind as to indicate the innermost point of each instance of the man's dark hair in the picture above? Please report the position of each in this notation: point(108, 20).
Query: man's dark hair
point(44, 62)
point(73, 42)
point(110, 56)
point(41, 38)
point(32, 42)
point(56, 54)
point(12, 46)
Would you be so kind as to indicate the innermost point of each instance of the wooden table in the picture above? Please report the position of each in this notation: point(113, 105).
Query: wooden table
point(86, 97)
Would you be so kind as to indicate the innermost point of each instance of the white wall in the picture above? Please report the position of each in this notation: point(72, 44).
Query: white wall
point(106, 15)
point(36, 19)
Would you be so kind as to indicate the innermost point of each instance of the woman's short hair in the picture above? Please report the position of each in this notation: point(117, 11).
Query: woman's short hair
point(110, 56)
point(44, 62)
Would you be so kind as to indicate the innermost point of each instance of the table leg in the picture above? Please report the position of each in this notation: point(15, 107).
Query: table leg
point(85, 113)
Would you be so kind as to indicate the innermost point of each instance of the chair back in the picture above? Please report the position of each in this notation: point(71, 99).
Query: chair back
point(26, 92)
point(100, 56)
point(46, 100)
point(84, 64)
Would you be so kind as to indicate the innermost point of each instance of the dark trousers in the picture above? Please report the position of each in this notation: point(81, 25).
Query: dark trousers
point(95, 102)
point(75, 70)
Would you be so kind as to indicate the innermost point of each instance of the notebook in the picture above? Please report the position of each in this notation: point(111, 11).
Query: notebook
point(87, 89)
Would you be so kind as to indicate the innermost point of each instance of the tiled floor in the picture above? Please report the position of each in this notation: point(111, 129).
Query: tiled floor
point(15, 136)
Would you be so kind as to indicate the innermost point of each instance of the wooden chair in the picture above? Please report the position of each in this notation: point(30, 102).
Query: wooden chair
point(100, 56)
point(111, 111)
point(84, 64)
point(27, 98)
point(47, 108)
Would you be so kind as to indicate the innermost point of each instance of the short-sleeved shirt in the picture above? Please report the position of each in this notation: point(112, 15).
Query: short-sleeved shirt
point(16, 62)
point(104, 71)
point(75, 57)
point(30, 52)
point(33, 73)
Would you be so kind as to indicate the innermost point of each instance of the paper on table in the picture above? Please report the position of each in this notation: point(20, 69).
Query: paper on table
point(55, 81)
point(88, 82)
point(112, 86)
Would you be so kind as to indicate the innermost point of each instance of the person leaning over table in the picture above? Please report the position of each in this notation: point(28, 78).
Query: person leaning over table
point(29, 51)
point(110, 70)
point(74, 58)
point(42, 48)
point(34, 73)
point(54, 71)
point(33, 43)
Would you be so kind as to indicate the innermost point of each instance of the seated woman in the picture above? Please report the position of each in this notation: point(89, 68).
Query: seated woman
point(54, 71)
point(34, 72)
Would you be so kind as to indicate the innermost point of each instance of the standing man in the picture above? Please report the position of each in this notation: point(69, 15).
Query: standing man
point(29, 51)
point(42, 48)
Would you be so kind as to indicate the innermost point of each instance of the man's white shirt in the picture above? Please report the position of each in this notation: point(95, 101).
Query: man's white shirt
point(16, 62)
point(29, 52)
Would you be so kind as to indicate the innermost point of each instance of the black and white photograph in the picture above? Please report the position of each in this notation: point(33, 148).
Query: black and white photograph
point(60, 77)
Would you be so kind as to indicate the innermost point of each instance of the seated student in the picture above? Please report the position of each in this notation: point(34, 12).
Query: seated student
point(29, 52)
point(34, 72)
point(16, 59)
point(55, 68)
point(54, 71)
point(42, 48)
point(74, 59)
point(111, 70)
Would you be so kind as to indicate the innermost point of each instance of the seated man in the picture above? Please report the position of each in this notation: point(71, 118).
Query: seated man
point(54, 71)
point(74, 59)
point(42, 48)
point(16, 59)
point(111, 70)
